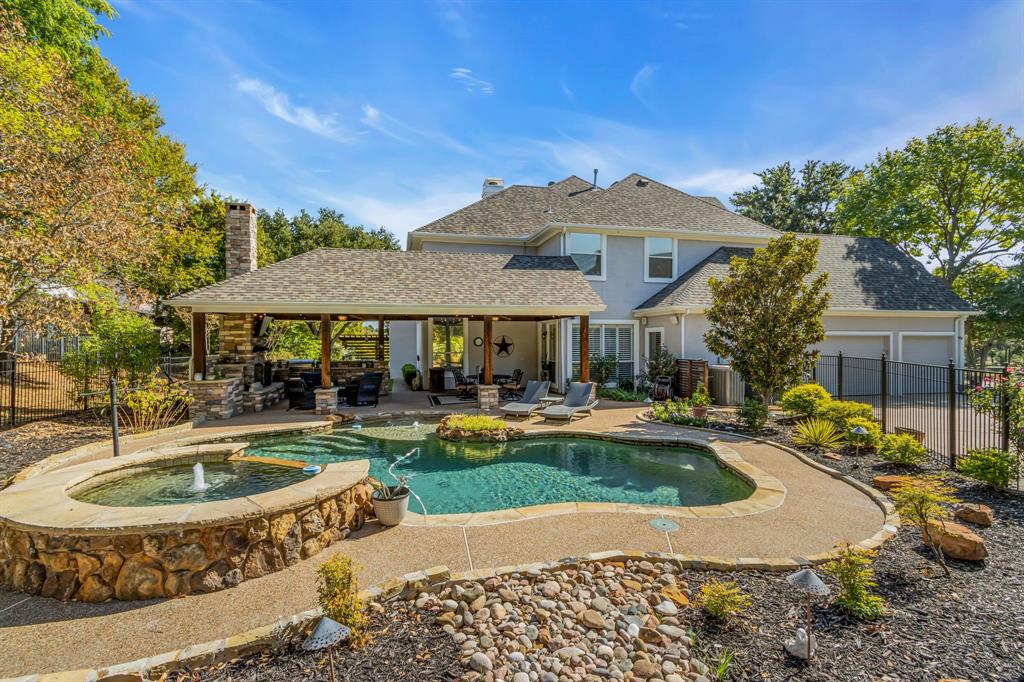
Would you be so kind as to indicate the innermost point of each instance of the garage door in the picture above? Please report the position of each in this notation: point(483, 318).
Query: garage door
point(855, 346)
point(927, 350)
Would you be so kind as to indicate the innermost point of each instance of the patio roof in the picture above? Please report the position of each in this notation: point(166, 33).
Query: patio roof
point(403, 284)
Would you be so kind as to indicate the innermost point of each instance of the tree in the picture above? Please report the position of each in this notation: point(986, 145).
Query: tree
point(766, 314)
point(75, 201)
point(998, 293)
point(955, 198)
point(793, 204)
point(282, 237)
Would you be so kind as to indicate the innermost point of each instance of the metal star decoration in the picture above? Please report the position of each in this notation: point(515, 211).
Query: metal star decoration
point(504, 346)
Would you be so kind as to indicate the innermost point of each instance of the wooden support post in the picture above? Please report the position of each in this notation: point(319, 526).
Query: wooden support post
point(198, 345)
point(488, 342)
point(380, 338)
point(584, 348)
point(325, 351)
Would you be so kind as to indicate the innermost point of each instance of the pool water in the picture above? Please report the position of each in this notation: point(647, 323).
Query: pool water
point(468, 477)
point(173, 484)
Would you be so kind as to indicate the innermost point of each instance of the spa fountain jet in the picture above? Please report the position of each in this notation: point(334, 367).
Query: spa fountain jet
point(198, 478)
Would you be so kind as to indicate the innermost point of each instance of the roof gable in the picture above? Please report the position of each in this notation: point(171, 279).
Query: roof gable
point(864, 274)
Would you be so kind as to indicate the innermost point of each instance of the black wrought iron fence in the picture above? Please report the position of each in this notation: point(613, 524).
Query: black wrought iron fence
point(936, 403)
point(34, 389)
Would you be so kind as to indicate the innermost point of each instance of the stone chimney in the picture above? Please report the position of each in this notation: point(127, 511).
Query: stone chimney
point(239, 239)
point(491, 186)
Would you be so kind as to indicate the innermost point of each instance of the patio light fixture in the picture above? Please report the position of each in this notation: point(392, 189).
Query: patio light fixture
point(809, 585)
point(328, 633)
point(859, 432)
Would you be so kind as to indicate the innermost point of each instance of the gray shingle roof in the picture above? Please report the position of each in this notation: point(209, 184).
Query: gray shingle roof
point(335, 278)
point(635, 201)
point(864, 274)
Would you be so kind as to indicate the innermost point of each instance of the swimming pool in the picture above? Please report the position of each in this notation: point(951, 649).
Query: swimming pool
point(470, 477)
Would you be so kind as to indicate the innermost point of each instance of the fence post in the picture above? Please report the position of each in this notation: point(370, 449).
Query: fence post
point(839, 376)
point(1004, 408)
point(14, 385)
point(885, 394)
point(951, 408)
point(113, 415)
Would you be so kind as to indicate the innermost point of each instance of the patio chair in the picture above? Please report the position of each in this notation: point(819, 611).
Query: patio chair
point(535, 390)
point(464, 385)
point(577, 401)
point(368, 392)
point(300, 396)
point(512, 389)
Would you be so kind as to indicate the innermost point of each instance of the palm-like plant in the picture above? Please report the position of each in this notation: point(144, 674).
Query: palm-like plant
point(819, 434)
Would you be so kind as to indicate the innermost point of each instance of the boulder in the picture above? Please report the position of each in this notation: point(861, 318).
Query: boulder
point(61, 585)
point(87, 565)
point(263, 558)
point(94, 589)
point(312, 524)
point(141, 577)
point(280, 526)
point(291, 544)
point(178, 583)
point(889, 481)
point(957, 541)
point(978, 514)
point(210, 580)
point(190, 558)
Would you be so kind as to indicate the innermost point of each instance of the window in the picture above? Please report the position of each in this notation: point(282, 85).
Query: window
point(607, 339)
point(588, 252)
point(448, 343)
point(660, 258)
point(655, 340)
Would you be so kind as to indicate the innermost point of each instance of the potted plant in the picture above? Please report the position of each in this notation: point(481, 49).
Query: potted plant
point(390, 502)
point(700, 400)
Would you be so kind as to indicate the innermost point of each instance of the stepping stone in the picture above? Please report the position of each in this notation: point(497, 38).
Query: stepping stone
point(957, 541)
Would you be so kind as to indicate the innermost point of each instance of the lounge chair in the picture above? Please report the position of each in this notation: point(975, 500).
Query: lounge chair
point(530, 402)
point(577, 401)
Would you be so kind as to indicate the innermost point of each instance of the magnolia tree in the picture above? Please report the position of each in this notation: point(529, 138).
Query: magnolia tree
point(73, 200)
point(766, 314)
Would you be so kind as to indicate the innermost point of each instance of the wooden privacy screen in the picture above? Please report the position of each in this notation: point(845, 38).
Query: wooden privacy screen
point(688, 373)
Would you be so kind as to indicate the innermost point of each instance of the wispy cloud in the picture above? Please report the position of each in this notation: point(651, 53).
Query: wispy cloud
point(470, 82)
point(279, 104)
point(451, 14)
point(387, 124)
point(567, 91)
point(640, 86)
point(719, 181)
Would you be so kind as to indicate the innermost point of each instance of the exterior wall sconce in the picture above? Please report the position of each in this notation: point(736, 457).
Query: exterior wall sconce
point(643, 321)
point(675, 319)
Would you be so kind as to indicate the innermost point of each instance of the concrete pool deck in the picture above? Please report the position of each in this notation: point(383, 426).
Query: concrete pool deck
point(40, 635)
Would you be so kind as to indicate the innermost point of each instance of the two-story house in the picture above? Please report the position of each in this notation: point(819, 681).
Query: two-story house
point(648, 250)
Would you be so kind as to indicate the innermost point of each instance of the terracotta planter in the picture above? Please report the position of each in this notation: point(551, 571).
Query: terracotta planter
point(390, 512)
point(699, 412)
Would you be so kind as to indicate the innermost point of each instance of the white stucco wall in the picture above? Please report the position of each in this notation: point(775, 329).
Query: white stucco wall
point(524, 352)
point(402, 341)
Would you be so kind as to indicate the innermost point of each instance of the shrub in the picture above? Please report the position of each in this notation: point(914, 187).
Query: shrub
point(700, 397)
point(923, 500)
point(602, 368)
point(852, 570)
point(805, 400)
point(816, 433)
point(753, 413)
point(840, 412)
point(338, 592)
point(872, 439)
point(622, 394)
point(156, 406)
point(991, 466)
point(676, 412)
point(661, 364)
point(408, 373)
point(475, 422)
point(902, 448)
point(722, 600)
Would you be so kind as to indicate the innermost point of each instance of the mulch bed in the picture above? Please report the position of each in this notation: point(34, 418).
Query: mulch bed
point(969, 625)
point(24, 445)
point(405, 645)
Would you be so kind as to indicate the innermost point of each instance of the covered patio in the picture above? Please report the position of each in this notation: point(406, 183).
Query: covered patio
point(328, 287)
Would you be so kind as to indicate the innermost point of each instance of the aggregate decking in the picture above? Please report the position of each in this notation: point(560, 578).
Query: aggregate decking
point(818, 512)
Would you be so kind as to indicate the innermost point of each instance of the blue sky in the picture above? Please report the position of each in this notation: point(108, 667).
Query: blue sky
point(394, 112)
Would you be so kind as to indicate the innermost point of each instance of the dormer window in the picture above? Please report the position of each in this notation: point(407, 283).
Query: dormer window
point(588, 252)
point(660, 256)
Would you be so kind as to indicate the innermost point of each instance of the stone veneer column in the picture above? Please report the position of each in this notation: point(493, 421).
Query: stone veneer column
point(216, 399)
point(239, 239)
point(488, 396)
point(326, 400)
point(237, 337)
